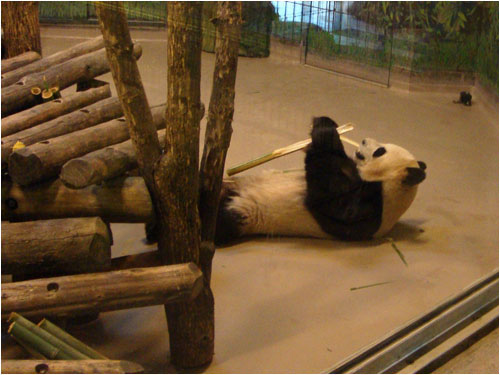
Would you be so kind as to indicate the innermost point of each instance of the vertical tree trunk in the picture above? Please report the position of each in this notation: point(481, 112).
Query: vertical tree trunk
point(21, 30)
point(191, 325)
point(172, 178)
point(220, 116)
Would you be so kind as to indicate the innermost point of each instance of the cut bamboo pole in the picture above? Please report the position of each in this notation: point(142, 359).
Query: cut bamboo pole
point(49, 61)
point(287, 150)
point(18, 61)
point(91, 115)
point(18, 97)
point(69, 340)
point(44, 160)
point(122, 200)
point(55, 247)
point(69, 351)
point(105, 291)
point(18, 331)
point(48, 111)
point(30, 366)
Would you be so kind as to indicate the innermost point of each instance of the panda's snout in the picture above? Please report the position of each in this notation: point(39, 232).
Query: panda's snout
point(359, 155)
point(363, 142)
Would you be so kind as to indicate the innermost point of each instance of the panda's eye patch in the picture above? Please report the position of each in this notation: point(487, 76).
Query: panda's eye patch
point(379, 152)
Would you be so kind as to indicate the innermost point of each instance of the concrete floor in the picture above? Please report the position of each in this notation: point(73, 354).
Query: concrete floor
point(284, 305)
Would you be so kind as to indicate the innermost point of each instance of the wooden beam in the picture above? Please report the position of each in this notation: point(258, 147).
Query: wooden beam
point(104, 291)
point(44, 160)
point(31, 366)
point(55, 247)
point(50, 110)
point(49, 61)
point(91, 115)
point(18, 61)
point(122, 200)
point(403, 346)
point(83, 68)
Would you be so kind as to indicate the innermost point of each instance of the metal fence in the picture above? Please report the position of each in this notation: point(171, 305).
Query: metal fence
point(333, 39)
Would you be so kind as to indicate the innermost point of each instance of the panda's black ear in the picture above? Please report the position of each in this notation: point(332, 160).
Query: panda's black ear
point(414, 177)
point(422, 165)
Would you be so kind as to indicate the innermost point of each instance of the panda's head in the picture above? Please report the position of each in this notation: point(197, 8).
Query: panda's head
point(385, 162)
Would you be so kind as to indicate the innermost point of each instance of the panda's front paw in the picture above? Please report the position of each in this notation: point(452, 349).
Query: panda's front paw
point(324, 134)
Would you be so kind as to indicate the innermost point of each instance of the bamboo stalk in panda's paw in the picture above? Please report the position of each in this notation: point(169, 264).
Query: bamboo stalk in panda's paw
point(288, 150)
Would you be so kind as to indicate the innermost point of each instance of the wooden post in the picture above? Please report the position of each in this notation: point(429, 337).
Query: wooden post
point(55, 108)
point(9, 78)
point(104, 291)
point(20, 26)
point(18, 61)
point(55, 247)
point(191, 325)
point(18, 97)
point(88, 366)
point(122, 200)
point(43, 160)
point(220, 116)
point(91, 115)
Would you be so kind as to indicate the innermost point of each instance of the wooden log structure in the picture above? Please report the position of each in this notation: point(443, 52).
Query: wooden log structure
point(18, 61)
point(50, 110)
point(55, 247)
point(104, 164)
point(44, 160)
point(87, 366)
point(11, 77)
point(104, 291)
point(83, 118)
point(121, 200)
point(83, 68)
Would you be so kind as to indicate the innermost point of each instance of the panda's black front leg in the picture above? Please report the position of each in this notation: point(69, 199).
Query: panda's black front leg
point(325, 137)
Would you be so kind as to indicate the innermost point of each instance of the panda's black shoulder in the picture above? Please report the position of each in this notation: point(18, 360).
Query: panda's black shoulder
point(343, 204)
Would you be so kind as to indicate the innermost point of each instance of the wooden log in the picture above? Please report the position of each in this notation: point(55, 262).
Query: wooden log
point(55, 108)
point(104, 164)
point(55, 247)
point(83, 68)
point(122, 200)
point(45, 159)
point(101, 165)
point(11, 77)
point(88, 366)
point(91, 115)
point(18, 61)
point(219, 130)
point(104, 291)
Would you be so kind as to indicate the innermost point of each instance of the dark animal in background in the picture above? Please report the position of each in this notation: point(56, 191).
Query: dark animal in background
point(465, 99)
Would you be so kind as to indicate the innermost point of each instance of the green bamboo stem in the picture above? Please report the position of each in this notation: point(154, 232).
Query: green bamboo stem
point(30, 349)
point(287, 150)
point(70, 340)
point(48, 337)
point(36, 342)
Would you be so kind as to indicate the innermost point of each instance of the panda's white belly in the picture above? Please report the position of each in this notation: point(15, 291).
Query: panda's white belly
point(273, 203)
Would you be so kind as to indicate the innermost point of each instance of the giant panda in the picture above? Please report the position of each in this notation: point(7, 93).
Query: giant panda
point(334, 196)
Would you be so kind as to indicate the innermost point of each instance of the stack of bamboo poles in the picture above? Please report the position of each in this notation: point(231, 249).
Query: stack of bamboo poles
point(57, 241)
point(65, 353)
